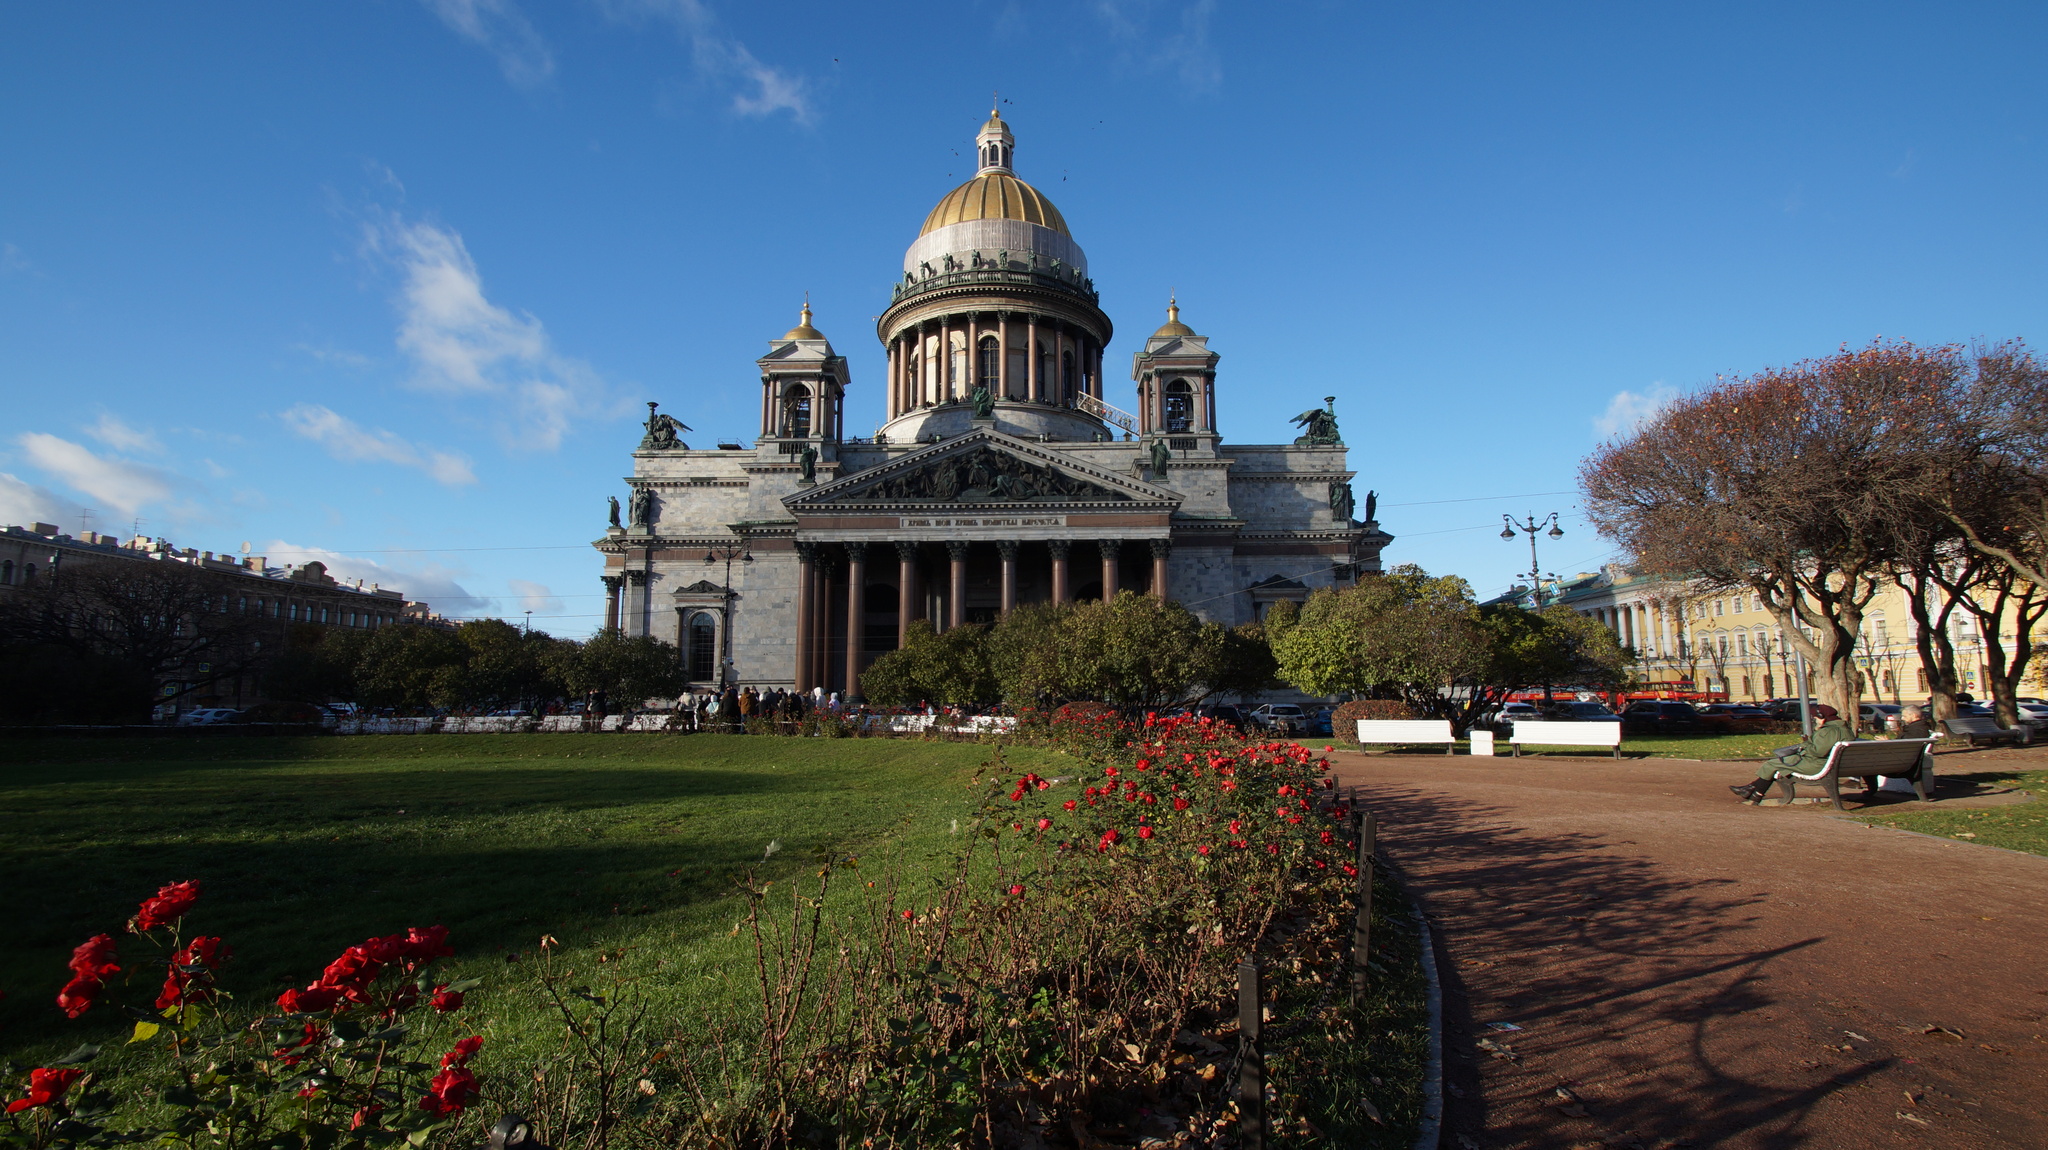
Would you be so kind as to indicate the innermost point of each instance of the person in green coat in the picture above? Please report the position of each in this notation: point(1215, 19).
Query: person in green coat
point(1806, 758)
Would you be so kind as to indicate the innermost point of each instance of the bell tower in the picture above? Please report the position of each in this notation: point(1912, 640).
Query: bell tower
point(1176, 377)
point(803, 387)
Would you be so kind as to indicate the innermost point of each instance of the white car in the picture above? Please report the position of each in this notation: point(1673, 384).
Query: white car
point(2034, 716)
point(1279, 717)
point(207, 716)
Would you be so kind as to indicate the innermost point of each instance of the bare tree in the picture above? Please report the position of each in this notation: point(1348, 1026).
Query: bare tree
point(1784, 484)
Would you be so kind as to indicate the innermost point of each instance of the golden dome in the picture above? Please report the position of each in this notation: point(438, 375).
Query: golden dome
point(995, 196)
point(803, 328)
point(1172, 326)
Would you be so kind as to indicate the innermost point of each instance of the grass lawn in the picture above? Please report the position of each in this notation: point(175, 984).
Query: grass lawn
point(305, 846)
point(2020, 827)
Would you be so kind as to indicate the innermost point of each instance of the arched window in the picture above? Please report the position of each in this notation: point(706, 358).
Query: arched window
point(28, 574)
point(956, 364)
point(7, 573)
point(1180, 406)
point(917, 377)
point(796, 412)
point(703, 645)
point(1067, 378)
point(991, 362)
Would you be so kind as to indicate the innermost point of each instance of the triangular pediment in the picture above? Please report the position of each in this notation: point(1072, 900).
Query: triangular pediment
point(982, 467)
point(700, 587)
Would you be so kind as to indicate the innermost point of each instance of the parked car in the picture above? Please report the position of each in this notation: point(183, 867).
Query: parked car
point(1319, 722)
point(1661, 717)
point(1738, 718)
point(207, 717)
point(1502, 721)
point(2034, 716)
point(1875, 718)
point(1787, 710)
point(1280, 718)
point(1581, 712)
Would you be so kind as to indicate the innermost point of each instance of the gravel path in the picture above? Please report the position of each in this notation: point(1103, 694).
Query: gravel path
point(1689, 971)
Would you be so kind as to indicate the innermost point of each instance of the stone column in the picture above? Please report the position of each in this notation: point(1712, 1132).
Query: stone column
point(1161, 548)
point(612, 583)
point(856, 612)
point(956, 592)
point(906, 588)
point(1007, 548)
point(636, 601)
point(806, 569)
point(1003, 355)
point(821, 622)
point(1032, 389)
point(1059, 548)
point(1109, 547)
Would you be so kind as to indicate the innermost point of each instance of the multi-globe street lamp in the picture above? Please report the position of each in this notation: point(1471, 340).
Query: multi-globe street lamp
point(1530, 528)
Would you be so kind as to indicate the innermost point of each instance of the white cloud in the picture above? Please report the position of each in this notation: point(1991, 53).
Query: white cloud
point(121, 437)
point(1182, 45)
point(1629, 410)
point(431, 583)
point(501, 29)
point(12, 262)
point(23, 503)
point(119, 484)
point(463, 343)
point(351, 442)
point(538, 598)
point(763, 88)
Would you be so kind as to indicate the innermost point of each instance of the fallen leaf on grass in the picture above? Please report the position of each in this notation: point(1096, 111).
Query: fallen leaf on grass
point(1914, 1118)
point(1855, 1036)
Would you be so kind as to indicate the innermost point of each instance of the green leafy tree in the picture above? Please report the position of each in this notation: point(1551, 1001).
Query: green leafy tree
point(627, 669)
point(950, 668)
point(1024, 654)
point(1138, 650)
point(409, 667)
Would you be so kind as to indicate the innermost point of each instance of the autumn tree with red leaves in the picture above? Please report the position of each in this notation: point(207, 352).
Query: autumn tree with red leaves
point(1788, 484)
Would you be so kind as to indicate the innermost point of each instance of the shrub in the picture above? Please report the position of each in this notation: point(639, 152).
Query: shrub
point(1343, 721)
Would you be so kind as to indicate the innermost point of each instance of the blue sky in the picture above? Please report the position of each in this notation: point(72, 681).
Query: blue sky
point(387, 281)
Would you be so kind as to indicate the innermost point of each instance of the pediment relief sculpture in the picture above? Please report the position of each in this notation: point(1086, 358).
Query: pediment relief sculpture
point(984, 475)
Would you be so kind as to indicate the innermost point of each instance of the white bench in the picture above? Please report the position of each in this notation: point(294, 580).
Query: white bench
point(1548, 733)
point(1407, 731)
point(1978, 729)
point(1875, 759)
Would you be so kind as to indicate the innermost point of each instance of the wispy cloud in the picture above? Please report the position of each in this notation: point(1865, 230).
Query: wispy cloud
point(12, 262)
point(761, 89)
point(502, 29)
point(23, 503)
point(462, 343)
point(1166, 35)
point(1629, 410)
point(351, 442)
point(430, 582)
point(538, 598)
point(118, 435)
point(117, 483)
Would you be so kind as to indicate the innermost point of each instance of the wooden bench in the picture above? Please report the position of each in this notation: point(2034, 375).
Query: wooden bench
point(1407, 731)
point(1908, 759)
point(1978, 730)
point(1550, 733)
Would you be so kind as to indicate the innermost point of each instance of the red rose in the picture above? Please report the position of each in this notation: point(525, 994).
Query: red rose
point(427, 944)
point(1017, 890)
point(167, 906)
point(365, 1116)
point(1045, 824)
point(1179, 803)
point(45, 1087)
point(311, 1000)
point(94, 958)
point(290, 1055)
point(78, 996)
point(464, 1050)
point(1069, 804)
point(1144, 832)
point(1203, 849)
point(445, 1000)
point(1109, 839)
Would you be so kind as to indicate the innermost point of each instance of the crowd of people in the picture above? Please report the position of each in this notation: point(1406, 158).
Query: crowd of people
point(732, 707)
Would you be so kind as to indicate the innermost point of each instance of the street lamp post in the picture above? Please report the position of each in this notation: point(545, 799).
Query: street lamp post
point(728, 554)
point(1530, 528)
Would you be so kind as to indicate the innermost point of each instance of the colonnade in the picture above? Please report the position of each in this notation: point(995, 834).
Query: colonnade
point(921, 360)
point(833, 616)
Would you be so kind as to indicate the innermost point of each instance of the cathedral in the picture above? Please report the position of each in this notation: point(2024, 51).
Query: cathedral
point(1001, 475)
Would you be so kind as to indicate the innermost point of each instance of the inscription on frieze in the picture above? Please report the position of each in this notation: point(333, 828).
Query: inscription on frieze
point(986, 521)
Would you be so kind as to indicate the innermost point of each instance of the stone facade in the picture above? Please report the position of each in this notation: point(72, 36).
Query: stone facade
point(1001, 475)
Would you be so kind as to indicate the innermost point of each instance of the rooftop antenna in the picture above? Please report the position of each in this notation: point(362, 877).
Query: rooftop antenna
point(85, 515)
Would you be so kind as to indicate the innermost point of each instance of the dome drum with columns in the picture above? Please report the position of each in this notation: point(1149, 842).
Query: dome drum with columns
point(1001, 473)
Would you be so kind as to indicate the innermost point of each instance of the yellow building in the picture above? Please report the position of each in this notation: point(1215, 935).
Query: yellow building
point(1724, 641)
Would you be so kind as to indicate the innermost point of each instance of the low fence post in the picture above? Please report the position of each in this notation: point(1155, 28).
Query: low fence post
point(1251, 1059)
point(1361, 930)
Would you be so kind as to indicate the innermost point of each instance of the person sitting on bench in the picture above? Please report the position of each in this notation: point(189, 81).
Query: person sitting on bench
point(1806, 758)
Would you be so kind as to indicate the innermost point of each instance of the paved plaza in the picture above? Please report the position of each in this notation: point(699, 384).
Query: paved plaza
point(1684, 970)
